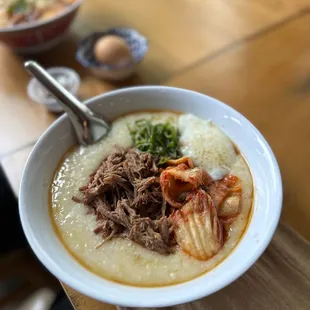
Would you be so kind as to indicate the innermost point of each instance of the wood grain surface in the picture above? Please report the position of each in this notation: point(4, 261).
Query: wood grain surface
point(279, 280)
point(253, 55)
point(188, 30)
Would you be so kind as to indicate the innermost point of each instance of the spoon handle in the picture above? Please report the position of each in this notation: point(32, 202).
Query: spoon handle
point(89, 126)
point(77, 112)
point(73, 107)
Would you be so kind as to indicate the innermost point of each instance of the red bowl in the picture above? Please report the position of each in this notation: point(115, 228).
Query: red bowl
point(42, 35)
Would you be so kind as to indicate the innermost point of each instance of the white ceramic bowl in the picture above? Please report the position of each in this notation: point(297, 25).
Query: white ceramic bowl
point(59, 138)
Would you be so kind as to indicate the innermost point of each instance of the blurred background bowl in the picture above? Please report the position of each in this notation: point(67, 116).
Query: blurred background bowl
point(39, 36)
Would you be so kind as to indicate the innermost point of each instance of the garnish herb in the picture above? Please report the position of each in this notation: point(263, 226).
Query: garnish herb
point(161, 139)
point(19, 6)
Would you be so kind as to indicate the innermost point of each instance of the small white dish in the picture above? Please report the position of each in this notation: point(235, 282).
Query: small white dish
point(65, 76)
point(59, 138)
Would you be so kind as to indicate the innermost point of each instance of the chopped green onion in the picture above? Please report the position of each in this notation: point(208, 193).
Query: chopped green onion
point(160, 139)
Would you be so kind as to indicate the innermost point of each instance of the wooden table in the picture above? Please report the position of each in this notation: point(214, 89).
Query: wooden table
point(253, 55)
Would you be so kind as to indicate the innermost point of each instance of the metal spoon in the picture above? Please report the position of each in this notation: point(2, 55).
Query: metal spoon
point(89, 126)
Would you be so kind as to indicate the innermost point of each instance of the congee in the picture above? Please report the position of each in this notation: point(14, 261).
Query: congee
point(164, 198)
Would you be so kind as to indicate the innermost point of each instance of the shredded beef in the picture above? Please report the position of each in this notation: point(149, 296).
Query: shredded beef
point(125, 195)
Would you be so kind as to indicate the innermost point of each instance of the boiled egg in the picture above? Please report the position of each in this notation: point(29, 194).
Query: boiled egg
point(112, 50)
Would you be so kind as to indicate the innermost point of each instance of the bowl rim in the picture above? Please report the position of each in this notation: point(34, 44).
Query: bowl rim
point(32, 25)
point(196, 292)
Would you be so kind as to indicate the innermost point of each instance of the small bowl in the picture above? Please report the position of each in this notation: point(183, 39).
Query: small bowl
point(39, 94)
point(39, 36)
point(59, 138)
point(137, 43)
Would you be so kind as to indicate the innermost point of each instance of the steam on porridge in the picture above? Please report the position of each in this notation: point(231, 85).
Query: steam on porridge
point(162, 199)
